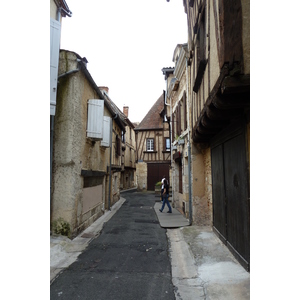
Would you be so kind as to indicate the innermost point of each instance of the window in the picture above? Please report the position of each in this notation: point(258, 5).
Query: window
point(200, 59)
point(180, 178)
point(168, 144)
point(150, 145)
point(123, 136)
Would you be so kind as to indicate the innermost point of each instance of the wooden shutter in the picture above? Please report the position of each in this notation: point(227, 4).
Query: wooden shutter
point(106, 132)
point(180, 178)
point(184, 111)
point(179, 121)
point(95, 119)
point(173, 128)
point(118, 146)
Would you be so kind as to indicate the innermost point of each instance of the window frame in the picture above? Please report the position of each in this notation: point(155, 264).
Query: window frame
point(148, 148)
point(166, 139)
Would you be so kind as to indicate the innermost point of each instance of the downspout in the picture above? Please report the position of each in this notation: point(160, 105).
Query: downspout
point(51, 151)
point(67, 73)
point(189, 147)
point(170, 125)
point(110, 156)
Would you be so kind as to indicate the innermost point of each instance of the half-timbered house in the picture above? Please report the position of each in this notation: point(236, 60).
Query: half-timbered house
point(219, 78)
point(153, 147)
point(126, 169)
point(128, 176)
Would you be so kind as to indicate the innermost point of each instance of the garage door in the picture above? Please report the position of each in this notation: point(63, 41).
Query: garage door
point(231, 204)
point(155, 173)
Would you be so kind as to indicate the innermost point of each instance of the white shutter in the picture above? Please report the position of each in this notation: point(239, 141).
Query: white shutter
point(106, 132)
point(54, 59)
point(95, 119)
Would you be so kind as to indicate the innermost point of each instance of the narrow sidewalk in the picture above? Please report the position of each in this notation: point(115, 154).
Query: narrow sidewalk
point(63, 251)
point(173, 220)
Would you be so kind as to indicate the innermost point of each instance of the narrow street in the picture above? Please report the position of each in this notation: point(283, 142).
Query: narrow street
point(128, 260)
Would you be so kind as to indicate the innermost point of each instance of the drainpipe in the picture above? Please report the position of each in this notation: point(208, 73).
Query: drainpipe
point(58, 15)
point(189, 147)
point(51, 151)
point(110, 155)
point(67, 73)
point(170, 125)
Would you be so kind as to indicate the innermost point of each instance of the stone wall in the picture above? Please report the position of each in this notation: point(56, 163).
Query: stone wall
point(77, 200)
point(202, 187)
point(141, 173)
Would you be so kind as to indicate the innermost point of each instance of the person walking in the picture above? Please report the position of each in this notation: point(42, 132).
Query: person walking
point(162, 187)
point(165, 197)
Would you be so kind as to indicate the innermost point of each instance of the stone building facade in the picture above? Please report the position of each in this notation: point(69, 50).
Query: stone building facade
point(84, 181)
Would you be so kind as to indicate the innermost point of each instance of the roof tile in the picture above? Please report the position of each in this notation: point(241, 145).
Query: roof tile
point(153, 119)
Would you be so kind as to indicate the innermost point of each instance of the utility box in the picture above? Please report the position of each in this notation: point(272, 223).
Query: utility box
point(95, 119)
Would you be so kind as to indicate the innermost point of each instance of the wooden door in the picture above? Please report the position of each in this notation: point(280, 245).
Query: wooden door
point(218, 182)
point(237, 200)
point(230, 190)
point(155, 173)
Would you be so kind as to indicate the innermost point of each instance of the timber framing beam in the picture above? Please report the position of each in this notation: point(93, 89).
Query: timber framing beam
point(228, 100)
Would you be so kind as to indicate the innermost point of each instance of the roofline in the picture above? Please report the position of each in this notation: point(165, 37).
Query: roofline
point(130, 123)
point(64, 6)
point(167, 71)
point(147, 129)
point(96, 88)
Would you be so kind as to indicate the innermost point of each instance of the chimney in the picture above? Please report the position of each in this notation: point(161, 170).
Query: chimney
point(104, 88)
point(125, 110)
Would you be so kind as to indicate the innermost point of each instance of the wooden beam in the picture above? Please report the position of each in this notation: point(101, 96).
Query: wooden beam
point(200, 73)
point(215, 114)
point(233, 101)
point(208, 123)
point(236, 84)
point(90, 173)
point(206, 131)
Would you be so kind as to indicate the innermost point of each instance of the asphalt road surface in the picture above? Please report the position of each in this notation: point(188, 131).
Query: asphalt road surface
point(128, 260)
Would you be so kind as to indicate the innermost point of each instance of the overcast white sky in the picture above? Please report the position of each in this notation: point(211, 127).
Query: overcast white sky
point(126, 43)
